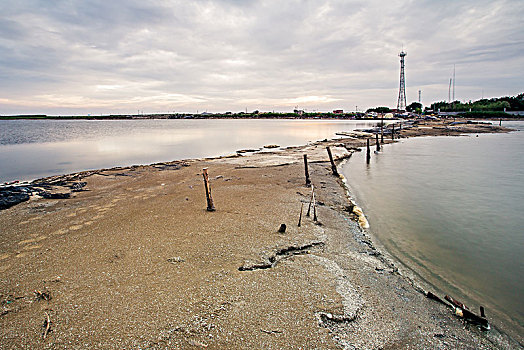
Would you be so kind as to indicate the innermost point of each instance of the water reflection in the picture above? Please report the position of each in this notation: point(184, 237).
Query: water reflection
point(36, 148)
point(450, 209)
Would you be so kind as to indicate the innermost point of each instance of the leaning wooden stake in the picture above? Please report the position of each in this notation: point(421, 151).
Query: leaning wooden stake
point(300, 217)
point(314, 208)
point(333, 166)
point(210, 206)
point(310, 201)
point(368, 154)
point(382, 132)
point(308, 181)
point(377, 142)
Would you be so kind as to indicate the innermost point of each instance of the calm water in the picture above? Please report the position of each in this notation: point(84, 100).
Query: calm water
point(31, 149)
point(452, 210)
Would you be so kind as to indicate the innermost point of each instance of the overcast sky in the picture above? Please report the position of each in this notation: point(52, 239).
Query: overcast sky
point(121, 56)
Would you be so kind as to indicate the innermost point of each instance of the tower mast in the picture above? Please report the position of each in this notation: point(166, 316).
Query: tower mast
point(453, 83)
point(401, 103)
point(449, 90)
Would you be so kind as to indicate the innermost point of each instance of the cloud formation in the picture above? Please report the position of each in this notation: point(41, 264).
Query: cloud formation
point(98, 56)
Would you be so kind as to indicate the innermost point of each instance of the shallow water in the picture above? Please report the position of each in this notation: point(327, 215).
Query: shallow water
point(451, 209)
point(32, 149)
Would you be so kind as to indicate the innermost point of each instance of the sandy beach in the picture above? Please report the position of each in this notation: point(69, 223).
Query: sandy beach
point(135, 261)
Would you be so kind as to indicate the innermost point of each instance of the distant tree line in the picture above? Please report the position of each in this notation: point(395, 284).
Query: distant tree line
point(510, 103)
point(379, 110)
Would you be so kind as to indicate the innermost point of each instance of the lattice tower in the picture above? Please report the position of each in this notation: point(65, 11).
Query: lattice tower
point(401, 104)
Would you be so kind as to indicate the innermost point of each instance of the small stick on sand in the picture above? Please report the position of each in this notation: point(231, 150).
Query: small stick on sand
point(300, 217)
point(47, 325)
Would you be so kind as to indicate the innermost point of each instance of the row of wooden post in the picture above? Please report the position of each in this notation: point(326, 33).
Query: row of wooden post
point(377, 142)
point(312, 201)
point(209, 198)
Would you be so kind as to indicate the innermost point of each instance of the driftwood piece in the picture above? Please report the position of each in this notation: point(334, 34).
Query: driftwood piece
point(210, 206)
point(47, 325)
point(436, 298)
point(42, 295)
point(456, 302)
point(462, 310)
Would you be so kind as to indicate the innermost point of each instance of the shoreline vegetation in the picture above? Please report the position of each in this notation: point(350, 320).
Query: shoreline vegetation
point(272, 115)
point(493, 108)
point(129, 257)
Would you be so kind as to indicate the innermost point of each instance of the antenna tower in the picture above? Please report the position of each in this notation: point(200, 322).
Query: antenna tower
point(453, 83)
point(401, 104)
point(449, 90)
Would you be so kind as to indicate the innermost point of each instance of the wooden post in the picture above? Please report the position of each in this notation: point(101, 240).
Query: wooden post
point(500, 122)
point(400, 127)
point(377, 142)
point(300, 217)
point(393, 132)
point(210, 206)
point(368, 154)
point(333, 166)
point(382, 133)
point(308, 181)
point(310, 201)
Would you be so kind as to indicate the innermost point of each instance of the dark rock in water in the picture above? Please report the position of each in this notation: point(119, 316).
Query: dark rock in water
point(10, 196)
point(248, 150)
point(78, 186)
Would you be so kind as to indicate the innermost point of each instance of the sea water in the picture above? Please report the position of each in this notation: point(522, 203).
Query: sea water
point(31, 149)
point(451, 209)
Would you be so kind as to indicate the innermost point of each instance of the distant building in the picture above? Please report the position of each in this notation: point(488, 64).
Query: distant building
point(338, 111)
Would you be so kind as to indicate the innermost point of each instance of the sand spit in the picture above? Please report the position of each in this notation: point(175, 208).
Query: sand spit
point(135, 261)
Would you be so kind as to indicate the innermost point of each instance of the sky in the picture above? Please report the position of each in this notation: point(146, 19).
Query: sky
point(71, 57)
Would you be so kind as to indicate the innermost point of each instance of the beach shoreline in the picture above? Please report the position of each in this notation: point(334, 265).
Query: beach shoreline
point(133, 259)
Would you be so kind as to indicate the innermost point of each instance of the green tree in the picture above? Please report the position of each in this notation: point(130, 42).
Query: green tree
point(379, 110)
point(414, 107)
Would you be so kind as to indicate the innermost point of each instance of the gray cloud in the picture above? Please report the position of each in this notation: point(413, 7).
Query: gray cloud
point(118, 56)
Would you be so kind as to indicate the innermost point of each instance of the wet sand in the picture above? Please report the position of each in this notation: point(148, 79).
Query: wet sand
point(136, 261)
